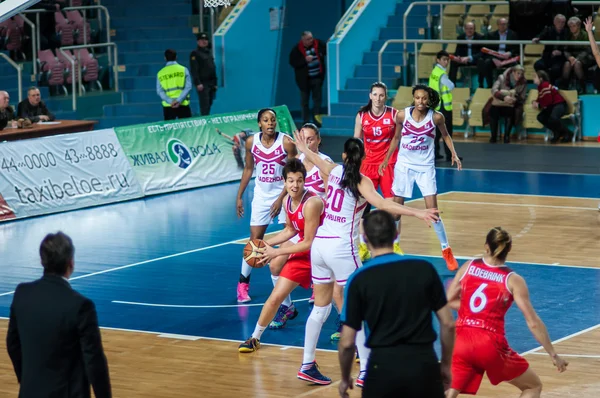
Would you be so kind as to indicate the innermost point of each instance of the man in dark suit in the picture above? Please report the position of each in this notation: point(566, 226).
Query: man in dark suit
point(53, 337)
point(553, 57)
point(466, 54)
point(488, 63)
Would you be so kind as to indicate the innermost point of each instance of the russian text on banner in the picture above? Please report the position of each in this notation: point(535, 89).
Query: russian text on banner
point(63, 172)
point(195, 152)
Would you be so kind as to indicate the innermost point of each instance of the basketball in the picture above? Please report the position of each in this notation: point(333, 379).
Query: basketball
point(251, 253)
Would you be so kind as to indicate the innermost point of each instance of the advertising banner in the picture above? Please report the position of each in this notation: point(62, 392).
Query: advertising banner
point(189, 153)
point(63, 172)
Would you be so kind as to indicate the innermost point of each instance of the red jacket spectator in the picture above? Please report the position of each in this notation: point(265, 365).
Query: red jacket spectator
point(548, 95)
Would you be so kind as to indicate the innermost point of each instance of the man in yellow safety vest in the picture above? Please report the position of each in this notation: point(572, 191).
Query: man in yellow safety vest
point(173, 86)
point(439, 81)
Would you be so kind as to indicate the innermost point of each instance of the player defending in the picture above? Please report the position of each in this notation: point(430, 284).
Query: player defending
point(305, 211)
point(333, 255)
point(482, 292)
point(416, 161)
point(376, 124)
point(268, 150)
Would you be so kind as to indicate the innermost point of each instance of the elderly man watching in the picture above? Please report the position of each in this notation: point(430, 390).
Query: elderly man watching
point(7, 114)
point(33, 108)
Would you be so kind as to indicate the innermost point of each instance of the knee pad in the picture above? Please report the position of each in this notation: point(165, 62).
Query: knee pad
point(320, 314)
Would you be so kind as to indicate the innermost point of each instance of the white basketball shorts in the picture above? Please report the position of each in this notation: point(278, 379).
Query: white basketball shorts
point(405, 178)
point(333, 260)
point(260, 212)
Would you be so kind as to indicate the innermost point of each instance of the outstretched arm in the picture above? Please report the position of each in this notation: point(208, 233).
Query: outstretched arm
point(367, 190)
point(588, 27)
point(246, 176)
point(440, 122)
point(395, 141)
point(454, 289)
point(520, 292)
point(324, 166)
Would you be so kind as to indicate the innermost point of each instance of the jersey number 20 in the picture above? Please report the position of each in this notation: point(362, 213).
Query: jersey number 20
point(335, 197)
point(478, 299)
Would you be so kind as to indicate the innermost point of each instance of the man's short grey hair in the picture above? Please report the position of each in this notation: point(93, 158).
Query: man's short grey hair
point(560, 16)
point(574, 20)
point(306, 33)
point(30, 89)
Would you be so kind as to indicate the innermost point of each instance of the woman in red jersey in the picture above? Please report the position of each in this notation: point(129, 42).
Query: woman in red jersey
point(376, 125)
point(482, 292)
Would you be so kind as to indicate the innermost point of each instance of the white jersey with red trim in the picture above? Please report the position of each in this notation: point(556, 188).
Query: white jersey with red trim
point(314, 182)
point(269, 164)
point(342, 210)
point(417, 143)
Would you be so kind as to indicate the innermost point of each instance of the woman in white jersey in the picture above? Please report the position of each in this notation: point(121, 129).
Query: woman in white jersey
point(269, 150)
point(416, 159)
point(334, 254)
point(315, 183)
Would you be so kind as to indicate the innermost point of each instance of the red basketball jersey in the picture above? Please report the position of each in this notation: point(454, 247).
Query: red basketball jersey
point(485, 297)
point(378, 133)
point(297, 216)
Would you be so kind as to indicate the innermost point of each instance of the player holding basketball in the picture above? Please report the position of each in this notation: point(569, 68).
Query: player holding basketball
point(416, 159)
point(333, 254)
point(482, 292)
point(315, 183)
point(376, 124)
point(268, 150)
point(305, 211)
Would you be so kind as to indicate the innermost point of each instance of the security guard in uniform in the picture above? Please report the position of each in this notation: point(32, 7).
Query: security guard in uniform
point(204, 72)
point(439, 81)
point(173, 86)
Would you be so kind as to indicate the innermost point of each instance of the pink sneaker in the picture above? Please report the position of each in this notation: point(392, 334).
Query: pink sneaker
point(242, 292)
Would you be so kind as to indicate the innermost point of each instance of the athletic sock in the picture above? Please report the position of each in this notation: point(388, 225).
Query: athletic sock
point(440, 231)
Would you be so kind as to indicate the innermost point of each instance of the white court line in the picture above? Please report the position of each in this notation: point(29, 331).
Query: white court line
point(524, 194)
point(518, 205)
point(144, 262)
point(466, 258)
point(564, 338)
point(568, 355)
point(194, 306)
point(234, 241)
point(524, 171)
point(189, 337)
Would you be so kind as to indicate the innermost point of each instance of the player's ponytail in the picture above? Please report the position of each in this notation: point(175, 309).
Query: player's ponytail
point(434, 96)
point(499, 242)
point(367, 108)
point(354, 149)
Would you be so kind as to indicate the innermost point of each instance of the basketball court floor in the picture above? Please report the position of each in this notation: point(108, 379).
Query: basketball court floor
point(163, 274)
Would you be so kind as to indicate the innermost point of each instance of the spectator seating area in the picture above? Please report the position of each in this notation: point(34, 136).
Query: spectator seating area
point(56, 69)
point(467, 109)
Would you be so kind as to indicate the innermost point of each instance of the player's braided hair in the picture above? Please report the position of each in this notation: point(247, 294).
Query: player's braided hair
point(355, 152)
point(434, 96)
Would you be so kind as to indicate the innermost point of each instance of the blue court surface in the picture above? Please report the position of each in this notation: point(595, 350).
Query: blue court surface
point(170, 264)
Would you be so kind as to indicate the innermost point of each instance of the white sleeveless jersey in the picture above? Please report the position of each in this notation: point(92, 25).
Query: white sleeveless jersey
point(342, 210)
point(314, 182)
point(269, 164)
point(417, 143)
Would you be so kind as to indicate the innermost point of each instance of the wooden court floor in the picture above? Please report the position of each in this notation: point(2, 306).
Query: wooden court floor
point(546, 230)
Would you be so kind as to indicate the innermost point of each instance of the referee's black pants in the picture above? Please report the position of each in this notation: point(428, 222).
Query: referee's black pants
point(181, 112)
point(405, 371)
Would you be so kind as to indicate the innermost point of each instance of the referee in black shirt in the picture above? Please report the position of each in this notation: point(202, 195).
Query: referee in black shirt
point(395, 298)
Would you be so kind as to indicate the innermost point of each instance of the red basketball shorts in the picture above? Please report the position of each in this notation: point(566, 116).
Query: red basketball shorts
point(477, 351)
point(297, 269)
point(384, 182)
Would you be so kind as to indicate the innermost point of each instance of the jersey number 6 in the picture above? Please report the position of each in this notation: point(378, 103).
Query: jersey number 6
point(478, 295)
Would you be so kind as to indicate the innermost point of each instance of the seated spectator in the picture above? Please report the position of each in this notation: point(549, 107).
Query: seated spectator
point(489, 63)
point(508, 97)
point(33, 108)
point(553, 107)
point(6, 111)
point(578, 58)
point(466, 54)
point(552, 58)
